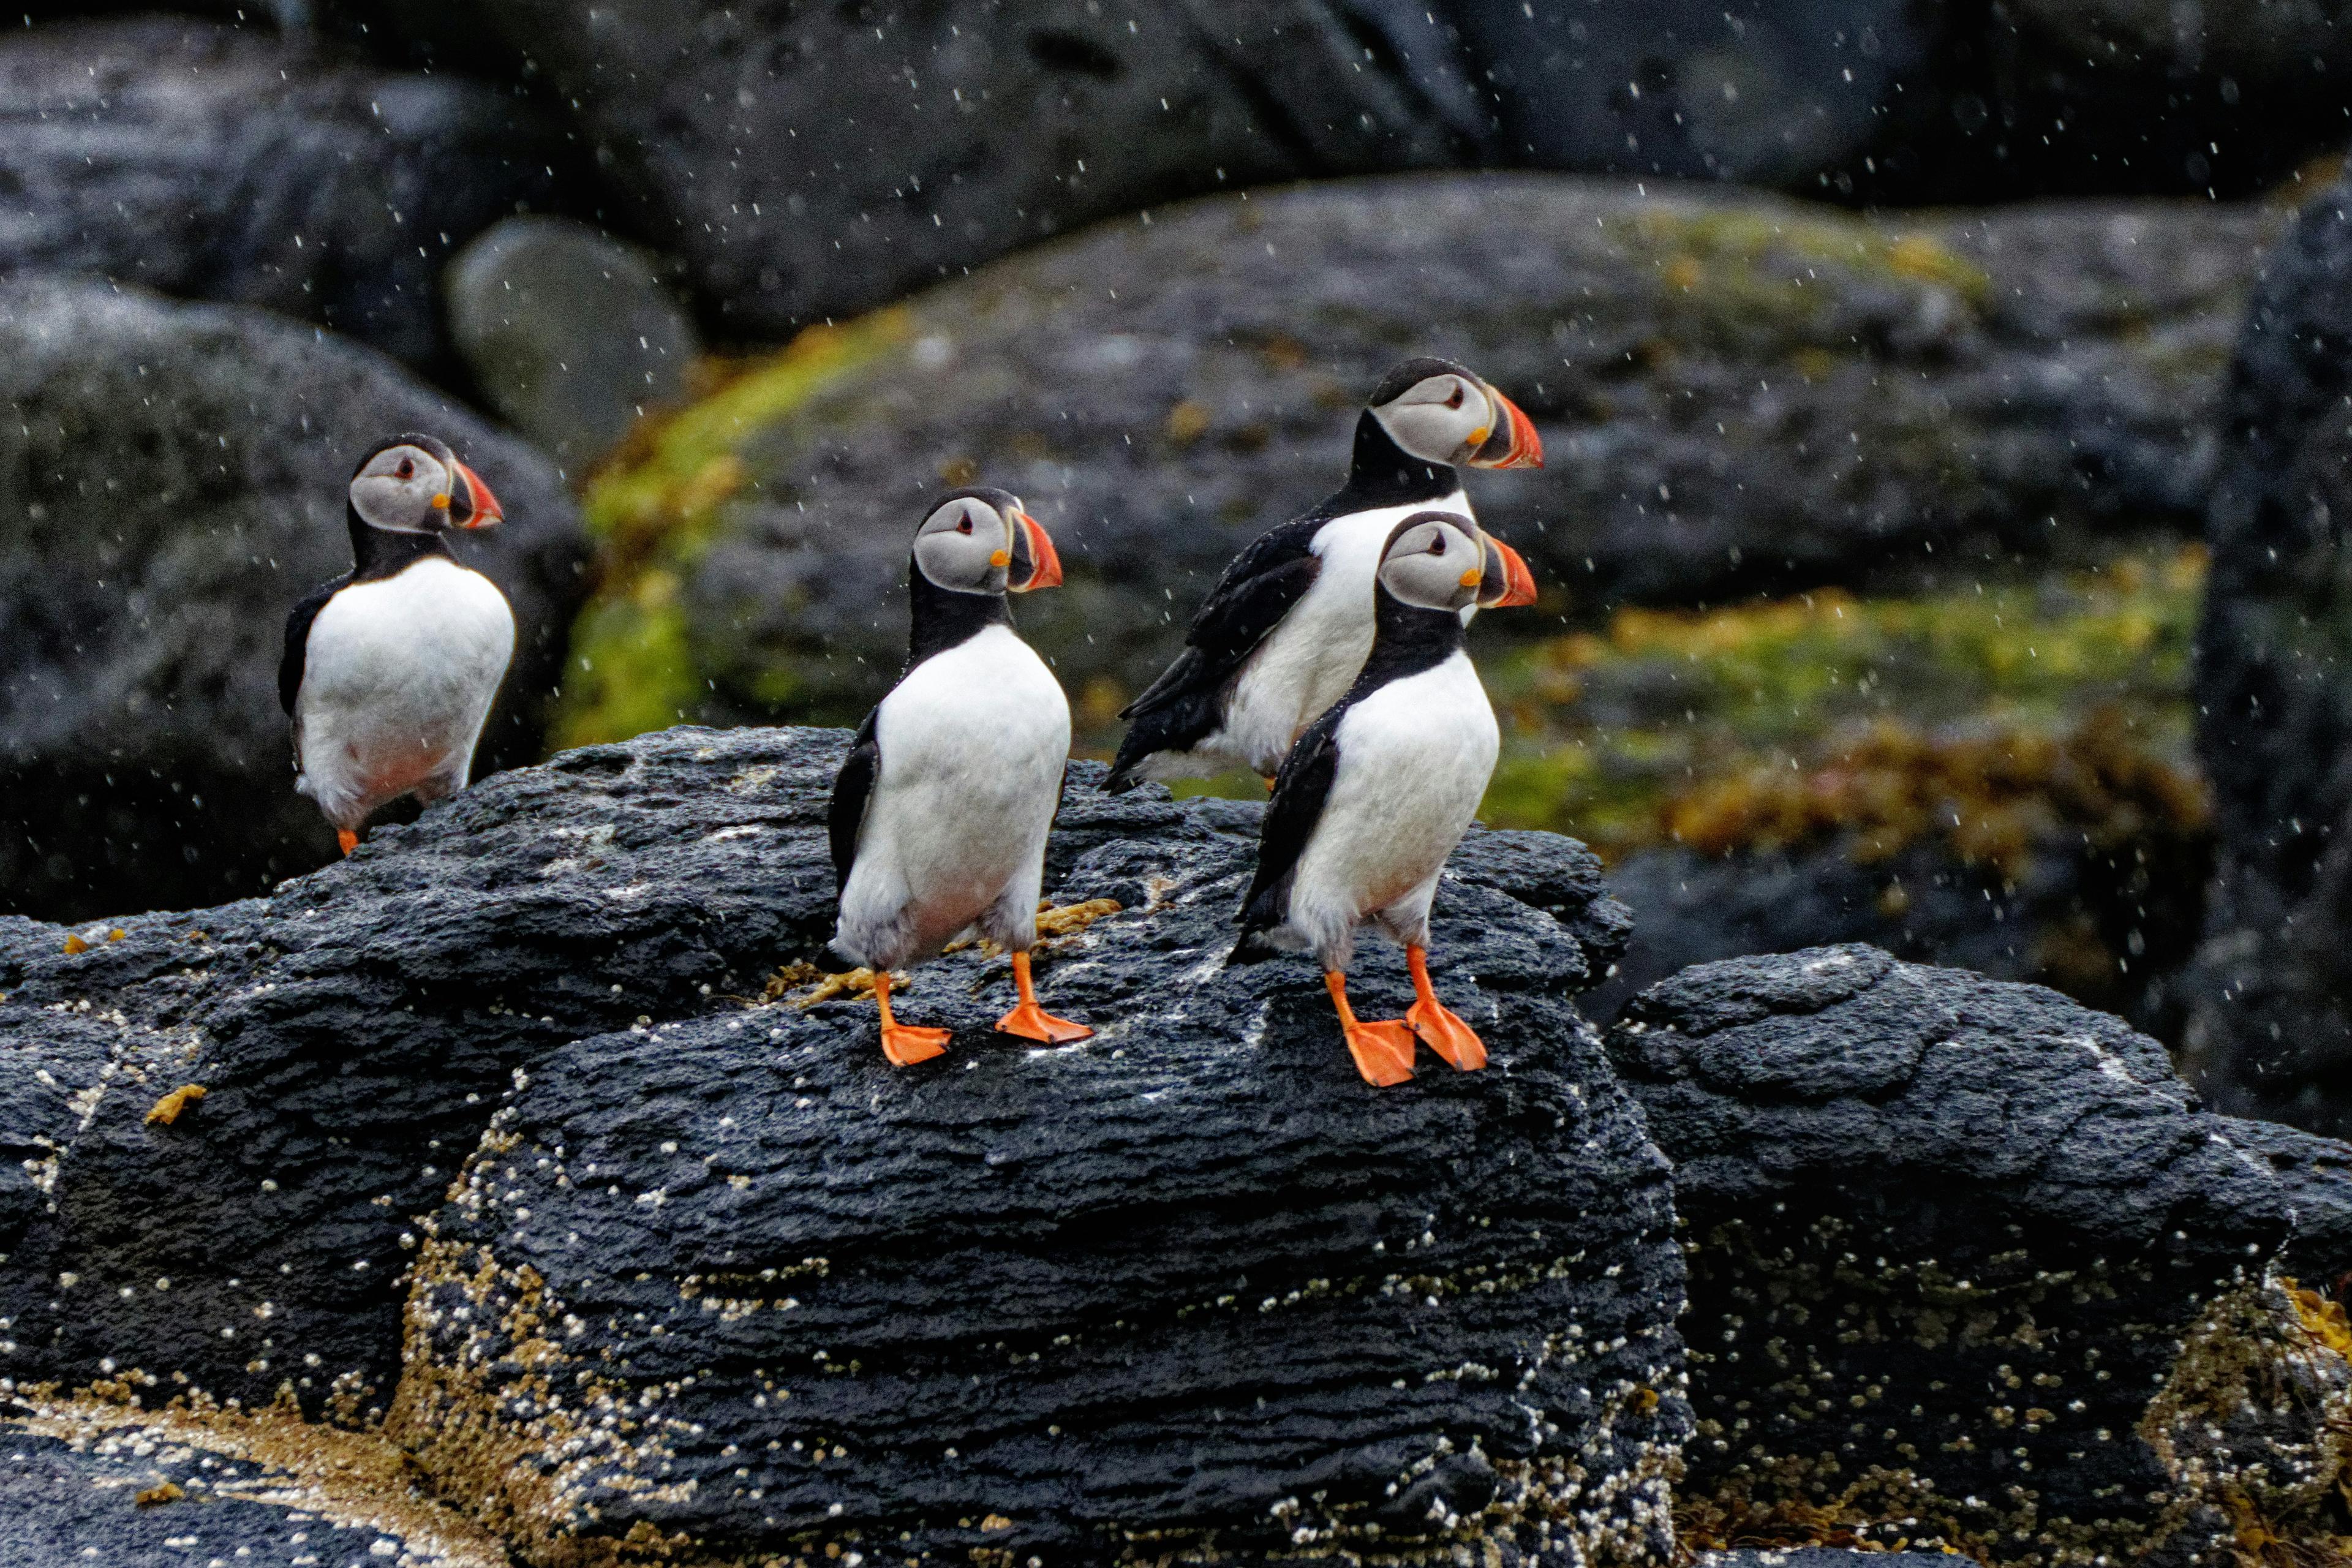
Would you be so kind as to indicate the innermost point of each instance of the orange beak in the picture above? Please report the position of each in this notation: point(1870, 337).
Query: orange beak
point(485, 509)
point(1514, 444)
point(1507, 578)
point(1044, 565)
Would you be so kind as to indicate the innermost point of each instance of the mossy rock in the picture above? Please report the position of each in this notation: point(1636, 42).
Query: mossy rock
point(1736, 392)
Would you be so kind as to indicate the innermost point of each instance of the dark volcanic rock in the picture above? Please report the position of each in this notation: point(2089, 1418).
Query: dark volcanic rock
point(570, 333)
point(1735, 392)
point(174, 476)
point(88, 1485)
point(2271, 1029)
point(224, 163)
point(821, 161)
point(2317, 1174)
point(355, 1032)
point(1967, 1263)
point(2109, 925)
point(1188, 1281)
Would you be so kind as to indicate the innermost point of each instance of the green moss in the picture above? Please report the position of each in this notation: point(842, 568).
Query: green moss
point(1631, 736)
point(653, 511)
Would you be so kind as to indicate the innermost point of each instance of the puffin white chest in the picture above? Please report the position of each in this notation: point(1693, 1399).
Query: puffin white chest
point(398, 676)
point(1414, 760)
point(972, 745)
point(1314, 654)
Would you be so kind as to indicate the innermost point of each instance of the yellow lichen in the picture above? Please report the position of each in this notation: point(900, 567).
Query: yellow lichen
point(166, 1110)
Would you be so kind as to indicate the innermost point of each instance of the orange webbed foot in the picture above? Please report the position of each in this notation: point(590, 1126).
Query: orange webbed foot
point(347, 839)
point(906, 1045)
point(1031, 1022)
point(1436, 1022)
point(1384, 1051)
point(1447, 1035)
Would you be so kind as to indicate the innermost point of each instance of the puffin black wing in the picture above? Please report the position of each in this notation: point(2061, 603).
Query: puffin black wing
point(852, 786)
point(1300, 791)
point(298, 640)
point(1257, 589)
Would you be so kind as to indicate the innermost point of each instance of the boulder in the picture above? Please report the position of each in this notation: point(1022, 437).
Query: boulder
point(174, 477)
point(1736, 393)
point(568, 333)
point(1171, 1286)
point(2270, 1027)
point(1969, 1268)
point(354, 1035)
point(82, 1482)
point(826, 161)
point(224, 164)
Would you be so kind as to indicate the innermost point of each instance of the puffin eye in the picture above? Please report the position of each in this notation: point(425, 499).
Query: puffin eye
point(1454, 399)
point(965, 525)
point(1437, 545)
point(407, 468)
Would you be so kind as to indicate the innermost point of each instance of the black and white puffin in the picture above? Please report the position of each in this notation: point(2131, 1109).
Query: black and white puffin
point(1289, 623)
point(1379, 790)
point(390, 670)
point(940, 811)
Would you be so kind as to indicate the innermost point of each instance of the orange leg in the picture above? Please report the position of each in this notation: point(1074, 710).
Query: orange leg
point(1384, 1051)
point(1435, 1022)
point(904, 1044)
point(1032, 1022)
point(347, 838)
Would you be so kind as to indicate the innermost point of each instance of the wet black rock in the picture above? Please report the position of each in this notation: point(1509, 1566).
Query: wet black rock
point(176, 476)
point(2270, 1027)
point(568, 333)
point(83, 1484)
point(225, 164)
point(1736, 393)
point(1822, 1557)
point(2109, 925)
point(1968, 1264)
point(354, 1033)
point(818, 161)
point(1189, 1279)
point(2317, 1174)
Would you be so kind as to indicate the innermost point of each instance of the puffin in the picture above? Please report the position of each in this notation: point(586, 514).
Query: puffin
point(1290, 621)
point(1379, 790)
point(389, 670)
point(941, 810)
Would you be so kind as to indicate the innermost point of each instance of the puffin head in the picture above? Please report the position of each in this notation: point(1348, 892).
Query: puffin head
point(414, 484)
point(1436, 561)
point(980, 540)
point(1437, 411)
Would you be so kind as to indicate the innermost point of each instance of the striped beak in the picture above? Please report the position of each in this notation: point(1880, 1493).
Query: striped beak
point(1034, 563)
point(1507, 583)
point(482, 507)
point(1514, 443)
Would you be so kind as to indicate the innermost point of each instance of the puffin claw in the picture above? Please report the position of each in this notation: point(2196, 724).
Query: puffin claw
point(906, 1045)
point(347, 838)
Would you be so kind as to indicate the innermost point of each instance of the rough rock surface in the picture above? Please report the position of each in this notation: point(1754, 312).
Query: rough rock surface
point(224, 164)
point(1967, 1263)
point(356, 1030)
point(829, 160)
point(2317, 1174)
point(1190, 1282)
point(2270, 1032)
point(1735, 393)
point(83, 1483)
point(567, 332)
point(175, 478)
point(2107, 929)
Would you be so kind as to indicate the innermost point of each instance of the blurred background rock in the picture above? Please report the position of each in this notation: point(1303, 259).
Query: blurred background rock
point(1920, 564)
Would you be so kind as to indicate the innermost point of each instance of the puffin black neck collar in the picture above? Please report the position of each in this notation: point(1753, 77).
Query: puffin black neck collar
point(1406, 640)
point(938, 618)
point(1384, 474)
point(380, 552)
